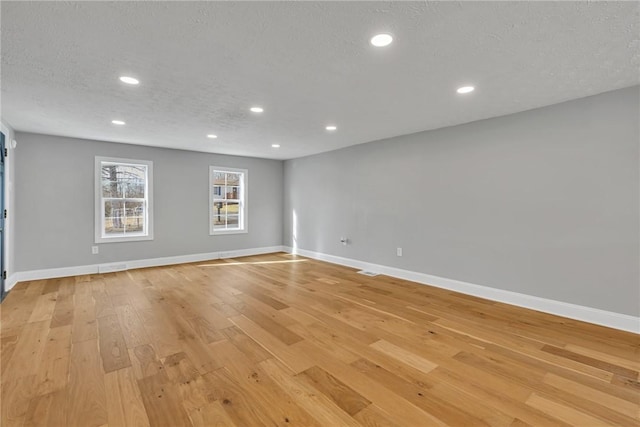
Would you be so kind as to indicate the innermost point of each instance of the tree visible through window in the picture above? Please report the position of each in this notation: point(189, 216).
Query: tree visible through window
point(227, 210)
point(123, 200)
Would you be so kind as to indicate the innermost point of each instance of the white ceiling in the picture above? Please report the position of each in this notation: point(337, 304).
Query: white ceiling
point(203, 64)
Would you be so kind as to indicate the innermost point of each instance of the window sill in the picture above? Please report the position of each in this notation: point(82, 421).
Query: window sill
point(120, 239)
point(223, 232)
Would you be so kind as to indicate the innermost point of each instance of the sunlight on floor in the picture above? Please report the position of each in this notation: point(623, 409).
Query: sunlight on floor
point(252, 263)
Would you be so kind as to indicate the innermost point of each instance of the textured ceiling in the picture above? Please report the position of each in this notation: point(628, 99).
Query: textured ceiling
point(203, 64)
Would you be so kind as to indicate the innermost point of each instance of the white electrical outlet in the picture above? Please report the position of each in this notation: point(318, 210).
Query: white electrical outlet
point(94, 250)
point(399, 251)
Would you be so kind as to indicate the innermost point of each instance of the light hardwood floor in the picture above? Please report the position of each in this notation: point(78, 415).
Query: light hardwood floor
point(289, 341)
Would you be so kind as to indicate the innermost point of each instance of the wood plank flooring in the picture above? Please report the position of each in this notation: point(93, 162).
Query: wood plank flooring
point(289, 341)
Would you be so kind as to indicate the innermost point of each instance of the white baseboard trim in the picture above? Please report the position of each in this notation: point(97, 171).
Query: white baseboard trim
point(10, 282)
point(573, 311)
point(51, 273)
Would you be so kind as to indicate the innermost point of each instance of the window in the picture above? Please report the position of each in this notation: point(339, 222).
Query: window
point(124, 206)
point(227, 200)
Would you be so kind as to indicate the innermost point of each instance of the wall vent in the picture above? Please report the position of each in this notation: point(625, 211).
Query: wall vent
point(110, 268)
point(368, 273)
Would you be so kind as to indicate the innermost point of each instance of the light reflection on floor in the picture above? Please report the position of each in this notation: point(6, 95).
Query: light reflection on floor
point(251, 263)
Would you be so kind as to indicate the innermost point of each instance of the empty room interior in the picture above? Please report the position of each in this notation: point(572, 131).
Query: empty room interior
point(320, 213)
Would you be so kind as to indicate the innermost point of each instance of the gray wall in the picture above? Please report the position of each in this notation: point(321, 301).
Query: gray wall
point(54, 198)
point(543, 202)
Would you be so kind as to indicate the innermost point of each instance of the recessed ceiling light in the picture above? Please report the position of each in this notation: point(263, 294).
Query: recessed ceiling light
point(118, 122)
point(257, 109)
point(275, 145)
point(331, 127)
point(212, 136)
point(381, 40)
point(129, 80)
point(466, 89)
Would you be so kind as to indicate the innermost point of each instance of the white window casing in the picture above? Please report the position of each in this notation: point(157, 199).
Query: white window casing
point(228, 197)
point(123, 200)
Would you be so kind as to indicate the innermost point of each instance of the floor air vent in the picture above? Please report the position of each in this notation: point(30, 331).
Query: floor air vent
point(110, 268)
point(368, 273)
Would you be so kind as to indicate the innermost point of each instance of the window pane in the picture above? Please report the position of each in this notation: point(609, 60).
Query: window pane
point(113, 217)
point(217, 191)
point(218, 178)
point(133, 172)
point(233, 179)
point(232, 192)
point(224, 207)
point(135, 217)
point(219, 226)
point(232, 221)
point(123, 181)
point(110, 188)
point(219, 213)
point(230, 207)
point(133, 188)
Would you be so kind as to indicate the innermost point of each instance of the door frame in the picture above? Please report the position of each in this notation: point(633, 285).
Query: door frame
point(3, 199)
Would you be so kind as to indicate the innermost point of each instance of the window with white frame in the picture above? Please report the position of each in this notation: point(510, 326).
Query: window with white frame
point(227, 200)
point(124, 204)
